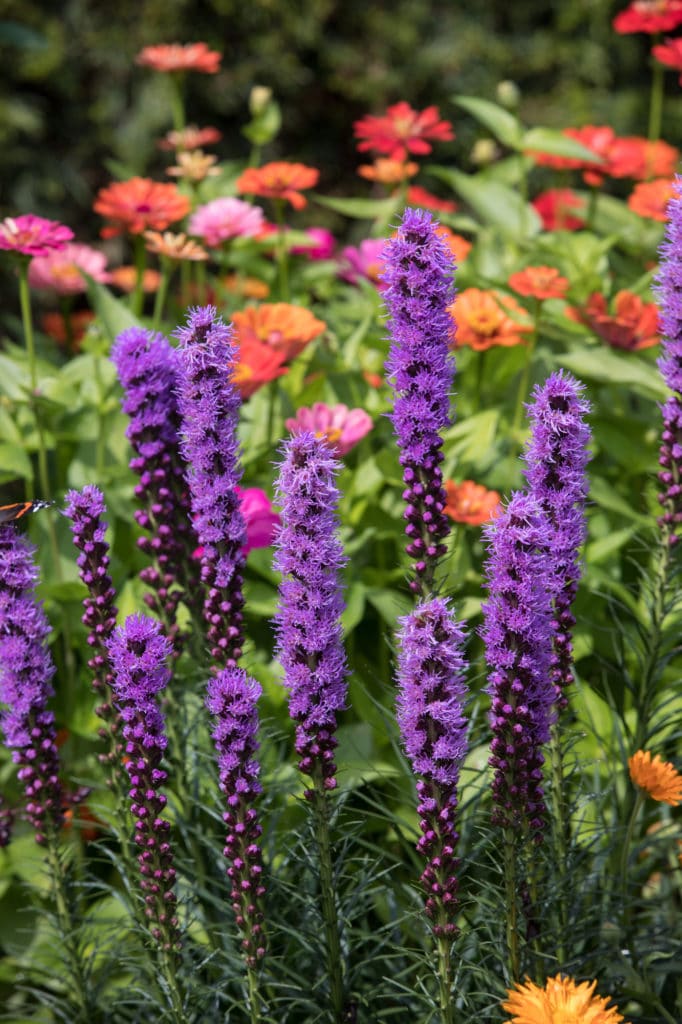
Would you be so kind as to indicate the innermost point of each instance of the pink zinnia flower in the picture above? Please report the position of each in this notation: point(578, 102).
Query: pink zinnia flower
point(32, 235)
point(342, 428)
point(323, 249)
point(225, 218)
point(259, 516)
point(363, 261)
point(60, 269)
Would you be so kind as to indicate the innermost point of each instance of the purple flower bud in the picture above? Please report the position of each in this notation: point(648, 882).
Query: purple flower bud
point(308, 621)
point(419, 278)
point(26, 669)
point(209, 404)
point(232, 699)
point(517, 632)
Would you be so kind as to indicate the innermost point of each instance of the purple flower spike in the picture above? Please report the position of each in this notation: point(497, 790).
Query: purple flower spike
point(138, 653)
point(232, 699)
point(85, 509)
point(517, 632)
point(147, 366)
point(669, 294)
point(308, 621)
point(556, 461)
point(419, 278)
point(209, 403)
point(431, 680)
point(26, 669)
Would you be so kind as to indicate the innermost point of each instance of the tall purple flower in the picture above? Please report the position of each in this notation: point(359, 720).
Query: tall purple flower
point(669, 294)
point(85, 509)
point(431, 693)
point(26, 669)
point(308, 621)
point(209, 404)
point(556, 470)
point(147, 367)
point(139, 652)
point(232, 699)
point(517, 632)
point(419, 278)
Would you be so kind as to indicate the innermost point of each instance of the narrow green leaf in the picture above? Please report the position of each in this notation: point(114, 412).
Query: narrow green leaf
point(611, 367)
point(546, 140)
point(113, 312)
point(361, 209)
point(503, 125)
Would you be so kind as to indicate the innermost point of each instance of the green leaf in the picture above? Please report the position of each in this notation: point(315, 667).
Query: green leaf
point(503, 125)
point(546, 140)
point(605, 495)
point(611, 367)
point(607, 547)
point(495, 203)
point(14, 462)
point(355, 607)
point(362, 209)
point(114, 313)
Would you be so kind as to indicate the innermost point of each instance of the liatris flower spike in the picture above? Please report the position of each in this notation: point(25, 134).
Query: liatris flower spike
point(138, 652)
point(147, 367)
point(209, 404)
point(431, 693)
point(418, 275)
point(26, 669)
point(232, 699)
point(556, 469)
point(308, 621)
point(669, 286)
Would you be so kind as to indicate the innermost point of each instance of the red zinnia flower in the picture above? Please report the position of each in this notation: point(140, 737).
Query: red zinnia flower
point(670, 54)
point(635, 157)
point(649, 16)
point(402, 130)
point(139, 204)
point(633, 324)
point(418, 196)
point(180, 57)
point(257, 364)
point(597, 138)
point(557, 207)
point(651, 198)
point(33, 236)
point(539, 283)
point(279, 180)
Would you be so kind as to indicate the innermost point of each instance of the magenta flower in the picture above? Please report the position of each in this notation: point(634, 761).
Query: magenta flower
point(259, 516)
point(342, 428)
point(60, 269)
point(364, 261)
point(323, 249)
point(225, 218)
point(33, 236)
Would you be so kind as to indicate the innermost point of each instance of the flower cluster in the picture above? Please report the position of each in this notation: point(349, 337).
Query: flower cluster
point(147, 367)
point(209, 405)
point(25, 672)
point(556, 471)
point(418, 276)
point(517, 632)
point(232, 698)
point(138, 652)
point(431, 691)
point(309, 635)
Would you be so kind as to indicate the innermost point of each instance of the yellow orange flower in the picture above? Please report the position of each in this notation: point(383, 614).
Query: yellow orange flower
point(651, 198)
point(125, 278)
point(139, 204)
point(180, 57)
point(457, 244)
point(387, 171)
point(539, 283)
point(279, 180)
point(484, 319)
point(283, 327)
point(257, 364)
point(470, 502)
point(174, 247)
point(561, 1001)
point(194, 165)
point(658, 777)
point(246, 287)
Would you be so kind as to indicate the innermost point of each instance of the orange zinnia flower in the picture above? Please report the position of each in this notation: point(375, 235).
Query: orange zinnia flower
point(633, 325)
point(484, 319)
point(402, 130)
point(458, 246)
point(418, 196)
point(125, 278)
point(560, 1001)
point(635, 157)
point(246, 287)
point(56, 327)
point(651, 198)
point(257, 364)
point(180, 57)
point(387, 171)
point(283, 327)
point(595, 137)
point(279, 180)
point(470, 502)
point(174, 247)
point(659, 778)
point(539, 283)
point(138, 204)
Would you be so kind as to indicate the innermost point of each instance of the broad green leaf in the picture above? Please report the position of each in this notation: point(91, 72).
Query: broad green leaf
point(503, 125)
point(361, 209)
point(606, 496)
point(607, 547)
point(114, 313)
point(546, 140)
point(14, 462)
point(611, 367)
point(495, 203)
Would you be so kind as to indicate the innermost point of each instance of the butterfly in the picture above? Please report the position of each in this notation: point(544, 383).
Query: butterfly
point(8, 513)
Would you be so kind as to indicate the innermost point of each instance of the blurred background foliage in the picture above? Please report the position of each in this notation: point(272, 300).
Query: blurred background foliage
point(75, 110)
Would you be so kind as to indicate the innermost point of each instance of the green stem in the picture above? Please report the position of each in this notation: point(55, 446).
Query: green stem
point(656, 103)
point(137, 298)
point(59, 881)
point(445, 979)
point(511, 905)
point(320, 802)
point(167, 964)
point(282, 255)
point(177, 101)
point(560, 835)
point(162, 291)
point(625, 852)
